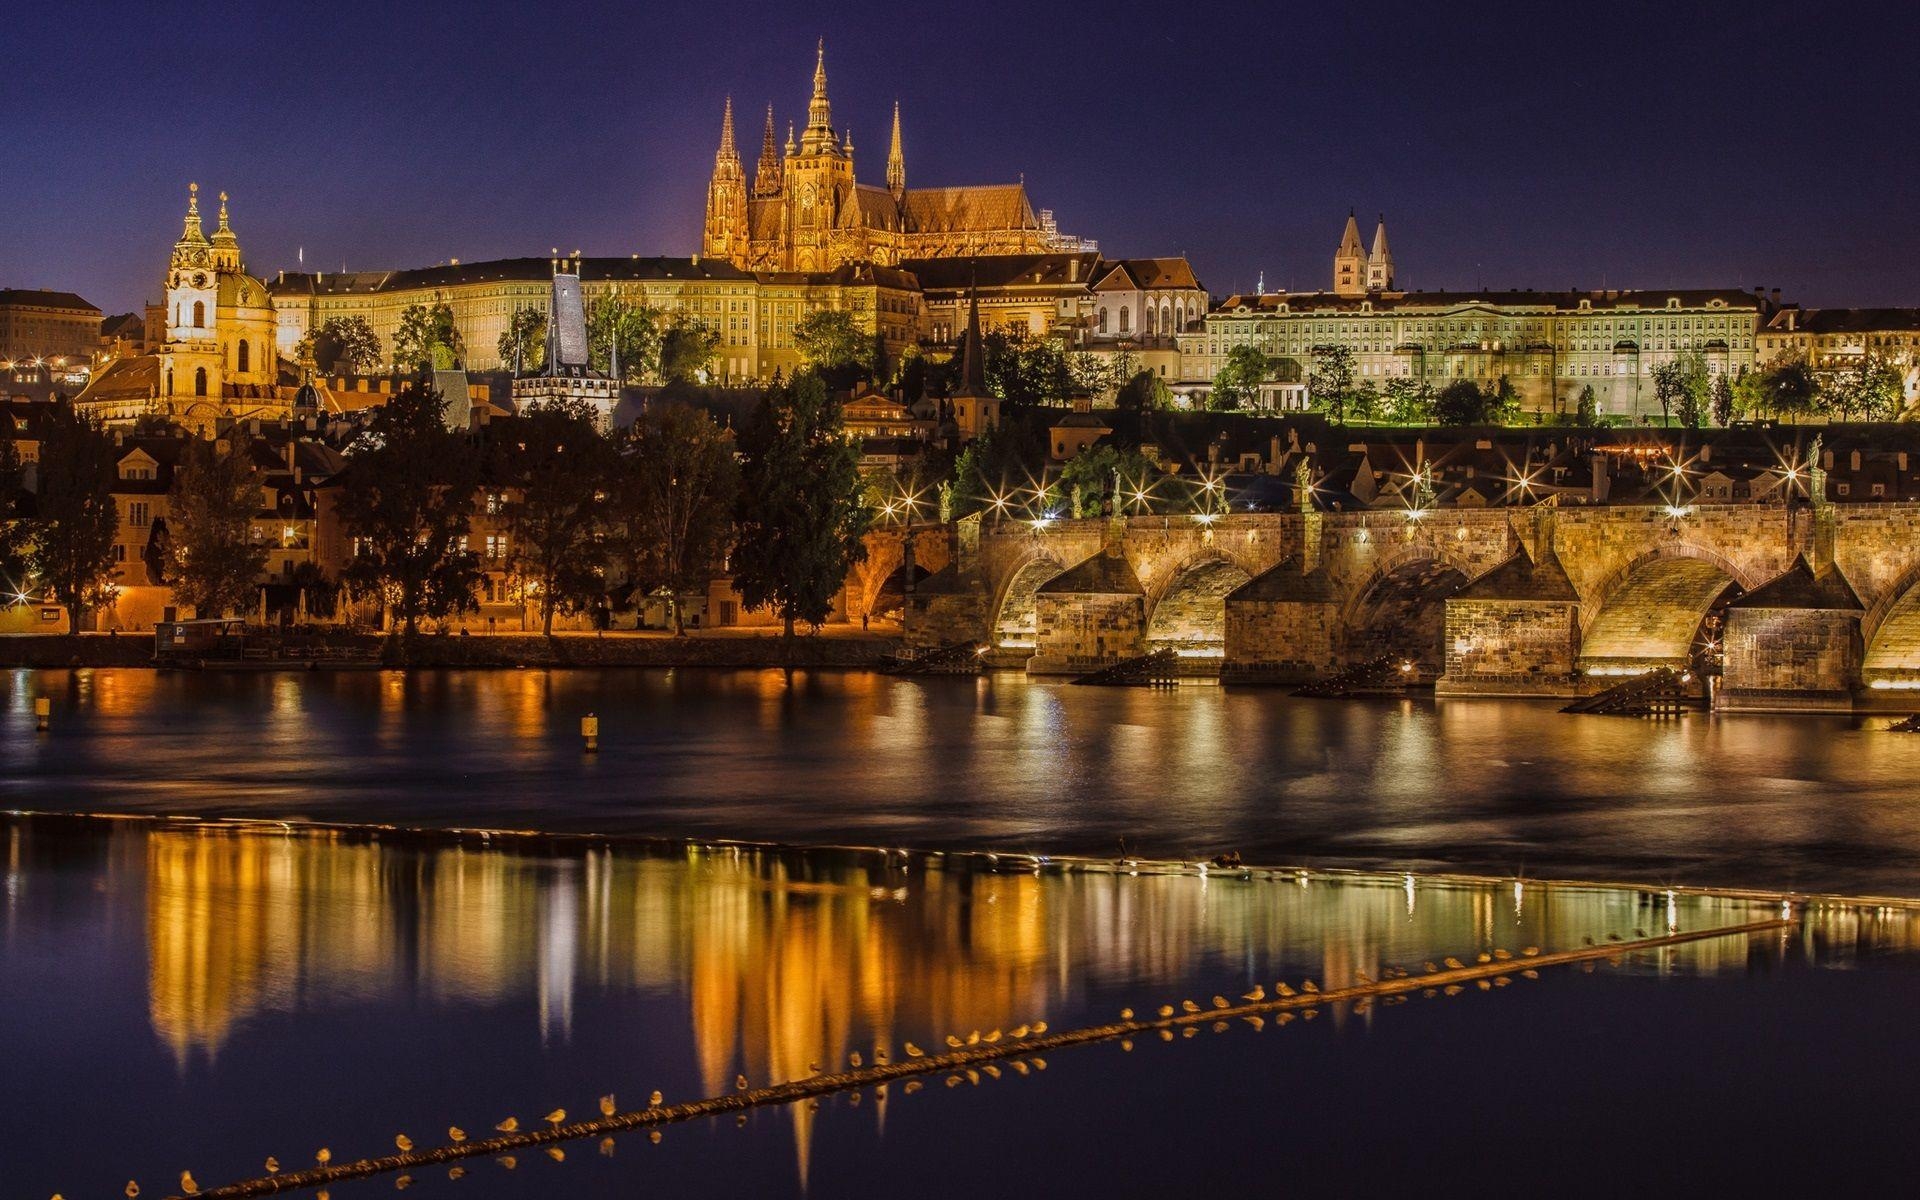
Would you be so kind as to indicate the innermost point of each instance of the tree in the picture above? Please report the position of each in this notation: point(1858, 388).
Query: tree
point(612, 321)
point(1868, 387)
point(1093, 375)
point(1003, 462)
point(13, 525)
point(343, 343)
point(833, 344)
point(1109, 479)
point(523, 344)
point(1366, 401)
point(1586, 413)
point(800, 515)
point(1237, 383)
point(678, 482)
point(1330, 381)
point(557, 469)
point(405, 498)
point(1720, 399)
point(1787, 387)
point(1462, 402)
point(75, 520)
point(687, 349)
point(1025, 371)
point(1145, 392)
point(427, 339)
point(1503, 403)
point(1408, 401)
point(212, 559)
point(1681, 387)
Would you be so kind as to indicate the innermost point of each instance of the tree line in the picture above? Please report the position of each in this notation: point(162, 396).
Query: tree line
point(594, 521)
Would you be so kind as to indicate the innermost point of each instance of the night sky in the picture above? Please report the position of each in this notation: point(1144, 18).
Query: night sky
point(1509, 145)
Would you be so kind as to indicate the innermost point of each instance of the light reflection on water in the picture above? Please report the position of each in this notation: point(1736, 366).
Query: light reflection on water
point(1499, 787)
point(207, 966)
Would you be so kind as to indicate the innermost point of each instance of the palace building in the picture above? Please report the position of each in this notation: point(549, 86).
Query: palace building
point(803, 209)
point(214, 333)
point(1549, 345)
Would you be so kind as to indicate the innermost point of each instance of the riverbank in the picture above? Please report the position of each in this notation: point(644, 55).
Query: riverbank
point(735, 649)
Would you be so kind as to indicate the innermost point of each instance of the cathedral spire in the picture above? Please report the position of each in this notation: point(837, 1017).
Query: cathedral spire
point(896, 160)
point(819, 135)
point(766, 174)
point(728, 152)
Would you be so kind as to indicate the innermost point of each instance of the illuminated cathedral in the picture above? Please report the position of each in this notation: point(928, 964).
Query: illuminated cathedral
point(804, 210)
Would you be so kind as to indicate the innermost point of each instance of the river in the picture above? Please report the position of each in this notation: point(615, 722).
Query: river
point(1508, 788)
point(182, 995)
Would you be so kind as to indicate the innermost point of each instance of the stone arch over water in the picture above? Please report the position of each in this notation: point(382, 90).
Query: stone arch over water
point(1014, 622)
point(1651, 612)
point(1890, 631)
point(1191, 614)
point(1400, 610)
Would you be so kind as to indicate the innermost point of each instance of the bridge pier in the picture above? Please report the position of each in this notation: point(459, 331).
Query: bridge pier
point(1514, 631)
point(1793, 644)
point(1282, 627)
point(1088, 617)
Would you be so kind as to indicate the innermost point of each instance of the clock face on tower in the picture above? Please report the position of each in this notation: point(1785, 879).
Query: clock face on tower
point(199, 279)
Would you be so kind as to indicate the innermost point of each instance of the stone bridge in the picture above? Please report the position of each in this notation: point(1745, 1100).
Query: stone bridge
point(1810, 604)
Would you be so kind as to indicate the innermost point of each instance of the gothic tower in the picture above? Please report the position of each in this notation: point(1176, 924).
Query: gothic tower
point(1380, 261)
point(818, 190)
point(1350, 262)
point(766, 172)
point(726, 232)
point(896, 161)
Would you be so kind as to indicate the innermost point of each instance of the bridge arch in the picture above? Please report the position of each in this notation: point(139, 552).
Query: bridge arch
point(1890, 632)
point(1190, 614)
point(1657, 609)
point(1014, 623)
point(1400, 609)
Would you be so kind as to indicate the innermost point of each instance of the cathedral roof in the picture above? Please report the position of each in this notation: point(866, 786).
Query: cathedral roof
point(965, 209)
point(877, 207)
point(763, 218)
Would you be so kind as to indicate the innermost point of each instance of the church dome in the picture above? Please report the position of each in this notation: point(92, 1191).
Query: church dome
point(241, 290)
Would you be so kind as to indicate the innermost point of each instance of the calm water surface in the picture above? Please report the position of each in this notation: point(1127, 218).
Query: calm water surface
point(183, 995)
point(1502, 787)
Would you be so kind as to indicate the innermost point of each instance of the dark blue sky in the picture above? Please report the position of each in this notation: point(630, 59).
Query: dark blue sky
point(1520, 145)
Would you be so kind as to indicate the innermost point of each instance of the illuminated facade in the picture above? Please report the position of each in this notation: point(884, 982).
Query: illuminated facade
point(216, 356)
point(804, 210)
point(754, 313)
point(1549, 345)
